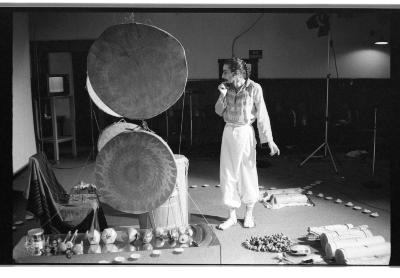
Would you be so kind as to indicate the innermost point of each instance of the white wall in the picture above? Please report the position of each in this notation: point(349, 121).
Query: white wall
point(23, 129)
point(290, 50)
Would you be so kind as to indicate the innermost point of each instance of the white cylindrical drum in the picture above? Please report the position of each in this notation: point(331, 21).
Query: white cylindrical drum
point(347, 254)
point(113, 130)
point(332, 246)
point(356, 232)
point(174, 212)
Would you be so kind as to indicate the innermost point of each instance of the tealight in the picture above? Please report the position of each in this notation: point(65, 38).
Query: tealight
point(156, 253)
point(104, 262)
point(119, 259)
point(178, 250)
point(134, 256)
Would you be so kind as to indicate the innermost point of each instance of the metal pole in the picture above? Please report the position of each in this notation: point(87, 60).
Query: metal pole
point(325, 143)
point(191, 119)
point(327, 94)
point(373, 156)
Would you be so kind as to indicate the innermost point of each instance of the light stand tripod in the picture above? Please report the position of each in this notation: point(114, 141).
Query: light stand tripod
point(325, 144)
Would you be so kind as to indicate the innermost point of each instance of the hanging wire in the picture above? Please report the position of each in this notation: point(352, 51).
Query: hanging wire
point(245, 31)
point(180, 134)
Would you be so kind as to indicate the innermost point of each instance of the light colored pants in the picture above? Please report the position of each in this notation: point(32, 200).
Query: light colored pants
point(238, 171)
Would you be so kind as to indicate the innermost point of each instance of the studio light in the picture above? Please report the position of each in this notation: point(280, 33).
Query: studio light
point(320, 21)
point(381, 41)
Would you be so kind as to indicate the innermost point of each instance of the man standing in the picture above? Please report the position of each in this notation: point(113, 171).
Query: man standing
point(240, 103)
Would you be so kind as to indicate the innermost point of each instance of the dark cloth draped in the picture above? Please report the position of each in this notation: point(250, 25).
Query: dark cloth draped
point(48, 201)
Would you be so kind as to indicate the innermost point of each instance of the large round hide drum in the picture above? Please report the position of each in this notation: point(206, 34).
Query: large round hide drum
point(98, 101)
point(135, 172)
point(137, 70)
point(113, 130)
point(175, 212)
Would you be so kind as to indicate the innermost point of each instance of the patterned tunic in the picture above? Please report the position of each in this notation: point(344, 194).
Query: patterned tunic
point(244, 107)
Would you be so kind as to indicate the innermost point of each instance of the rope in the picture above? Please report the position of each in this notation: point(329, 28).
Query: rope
point(198, 209)
point(180, 134)
point(95, 119)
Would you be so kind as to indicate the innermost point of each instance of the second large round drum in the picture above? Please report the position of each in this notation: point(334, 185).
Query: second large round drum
point(135, 172)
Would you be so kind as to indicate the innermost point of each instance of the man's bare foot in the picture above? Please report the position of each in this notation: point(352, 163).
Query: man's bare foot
point(249, 222)
point(227, 224)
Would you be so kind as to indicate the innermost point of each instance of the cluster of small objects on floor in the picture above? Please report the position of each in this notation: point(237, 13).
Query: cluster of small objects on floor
point(269, 243)
point(274, 198)
point(342, 244)
point(130, 239)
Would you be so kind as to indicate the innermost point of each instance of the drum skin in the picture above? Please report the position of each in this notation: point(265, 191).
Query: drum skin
point(135, 172)
point(137, 70)
point(113, 130)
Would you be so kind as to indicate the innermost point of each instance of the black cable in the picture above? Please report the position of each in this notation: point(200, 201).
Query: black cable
point(245, 31)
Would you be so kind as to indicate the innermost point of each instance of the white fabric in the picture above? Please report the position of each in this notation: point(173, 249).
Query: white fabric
point(238, 171)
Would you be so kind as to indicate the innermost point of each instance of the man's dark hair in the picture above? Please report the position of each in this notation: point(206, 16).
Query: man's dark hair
point(238, 66)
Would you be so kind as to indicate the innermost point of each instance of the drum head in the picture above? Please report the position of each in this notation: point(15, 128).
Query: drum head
point(113, 130)
point(98, 101)
point(137, 70)
point(135, 172)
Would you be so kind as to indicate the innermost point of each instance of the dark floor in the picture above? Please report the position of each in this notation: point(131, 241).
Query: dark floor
point(279, 172)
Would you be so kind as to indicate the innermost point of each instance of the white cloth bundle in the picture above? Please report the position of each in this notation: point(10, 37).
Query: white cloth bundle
point(322, 229)
point(287, 200)
point(355, 232)
point(270, 192)
point(332, 246)
point(373, 254)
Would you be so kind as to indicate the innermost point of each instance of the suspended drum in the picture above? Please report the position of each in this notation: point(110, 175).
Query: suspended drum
point(137, 70)
point(98, 101)
point(174, 212)
point(113, 130)
point(135, 172)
